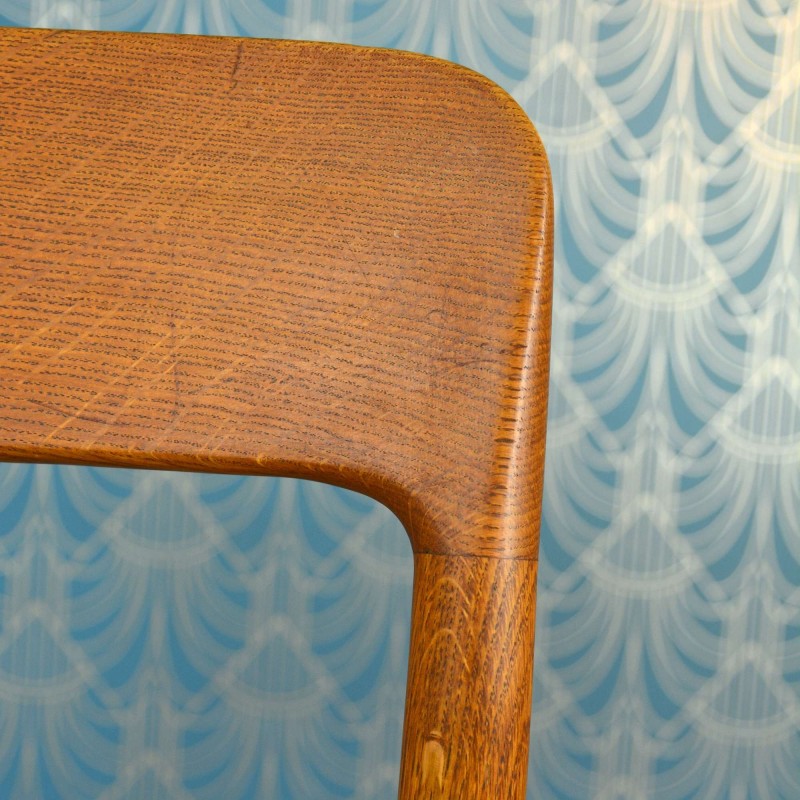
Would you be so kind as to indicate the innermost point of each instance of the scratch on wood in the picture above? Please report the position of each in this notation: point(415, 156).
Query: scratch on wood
point(237, 62)
point(176, 376)
point(78, 416)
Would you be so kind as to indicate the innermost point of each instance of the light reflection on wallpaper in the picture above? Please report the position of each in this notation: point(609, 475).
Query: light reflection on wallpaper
point(174, 636)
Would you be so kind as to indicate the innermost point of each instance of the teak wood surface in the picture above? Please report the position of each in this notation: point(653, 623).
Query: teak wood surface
point(309, 260)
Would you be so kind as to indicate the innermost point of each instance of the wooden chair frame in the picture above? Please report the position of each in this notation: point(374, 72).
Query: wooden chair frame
point(309, 260)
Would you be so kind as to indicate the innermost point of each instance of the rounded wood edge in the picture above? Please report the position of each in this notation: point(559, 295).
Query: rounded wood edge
point(496, 516)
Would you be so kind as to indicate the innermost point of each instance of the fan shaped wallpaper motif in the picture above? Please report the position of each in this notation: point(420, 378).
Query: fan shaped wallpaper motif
point(174, 636)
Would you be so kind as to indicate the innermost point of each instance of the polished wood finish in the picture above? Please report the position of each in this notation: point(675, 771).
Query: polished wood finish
point(298, 259)
point(469, 678)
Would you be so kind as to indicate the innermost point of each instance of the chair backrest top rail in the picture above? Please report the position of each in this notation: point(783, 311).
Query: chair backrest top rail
point(283, 258)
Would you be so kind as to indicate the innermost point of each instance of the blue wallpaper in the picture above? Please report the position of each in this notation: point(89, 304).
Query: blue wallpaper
point(174, 636)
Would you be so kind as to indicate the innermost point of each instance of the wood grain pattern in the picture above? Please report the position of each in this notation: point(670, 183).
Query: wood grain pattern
point(469, 678)
point(297, 259)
